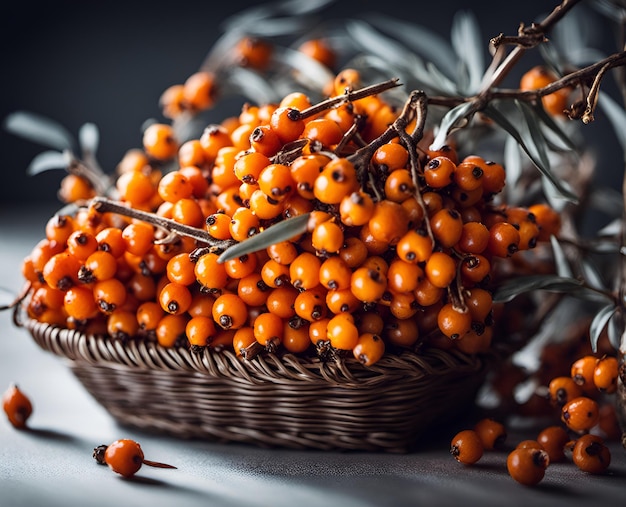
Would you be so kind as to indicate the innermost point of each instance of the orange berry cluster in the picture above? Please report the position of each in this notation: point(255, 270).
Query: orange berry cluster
point(587, 421)
point(395, 253)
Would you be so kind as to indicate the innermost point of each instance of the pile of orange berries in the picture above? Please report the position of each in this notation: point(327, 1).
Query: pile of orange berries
point(584, 405)
point(398, 251)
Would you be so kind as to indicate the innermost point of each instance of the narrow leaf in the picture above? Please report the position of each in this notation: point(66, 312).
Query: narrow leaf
point(549, 122)
point(563, 268)
point(276, 233)
point(89, 138)
point(499, 115)
point(598, 324)
point(616, 115)
point(48, 160)
point(508, 290)
point(448, 122)
point(616, 329)
point(39, 129)
point(468, 45)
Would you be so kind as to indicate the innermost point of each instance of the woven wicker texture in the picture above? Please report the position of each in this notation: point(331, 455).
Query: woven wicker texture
point(272, 401)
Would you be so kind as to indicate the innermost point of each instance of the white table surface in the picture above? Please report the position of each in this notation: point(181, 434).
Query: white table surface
point(51, 464)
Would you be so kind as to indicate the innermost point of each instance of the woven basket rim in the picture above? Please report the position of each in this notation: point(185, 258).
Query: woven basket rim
point(81, 348)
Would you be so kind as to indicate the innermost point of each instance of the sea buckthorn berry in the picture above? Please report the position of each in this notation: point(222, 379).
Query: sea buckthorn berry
point(399, 185)
point(264, 140)
point(402, 333)
point(327, 237)
point(171, 329)
point(553, 440)
point(427, 294)
point(268, 330)
point(139, 237)
point(276, 182)
point(198, 180)
point(253, 290)
point(368, 284)
point(175, 298)
point(99, 266)
point(281, 301)
point(253, 52)
point(59, 228)
point(447, 227)
point(248, 166)
point(230, 311)
point(562, 390)
point(81, 244)
point(159, 141)
point(109, 295)
point(191, 154)
point(356, 208)
point(172, 101)
point(243, 341)
point(135, 187)
point(474, 238)
point(17, 406)
point(214, 137)
point(353, 252)
point(468, 176)
point(369, 349)
point(370, 322)
point(74, 188)
point(440, 269)
point(319, 50)
point(466, 447)
point(548, 220)
point(527, 466)
point(199, 91)
point(475, 268)
point(580, 414)
point(218, 225)
point(124, 457)
point(504, 239)
point(200, 331)
point(287, 123)
point(344, 115)
point(341, 300)
point(174, 186)
point(335, 274)
point(494, 176)
point(348, 79)
point(373, 246)
point(244, 224)
point(79, 303)
point(122, 324)
point(605, 374)
point(241, 266)
point(414, 211)
point(275, 274)
point(439, 172)
point(311, 305)
point(142, 287)
point(304, 170)
point(296, 339)
point(110, 240)
point(389, 222)
point(583, 370)
point(317, 332)
point(304, 271)
point(591, 454)
point(337, 179)
point(452, 322)
point(264, 206)
point(540, 76)
point(61, 271)
point(390, 156)
point(415, 246)
point(403, 276)
point(492, 433)
point(180, 269)
point(479, 303)
point(210, 273)
point(342, 332)
point(446, 150)
point(322, 133)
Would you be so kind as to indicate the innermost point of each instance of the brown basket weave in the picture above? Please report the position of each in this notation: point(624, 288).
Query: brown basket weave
point(285, 401)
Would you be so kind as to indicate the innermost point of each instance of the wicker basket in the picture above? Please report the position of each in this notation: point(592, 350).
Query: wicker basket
point(271, 401)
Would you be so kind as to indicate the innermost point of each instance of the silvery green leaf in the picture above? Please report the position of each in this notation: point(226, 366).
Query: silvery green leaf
point(449, 121)
point(549, 122)
point(252, 17)
point(575, 33)
point(89, 138)
point(374, 42)
point(591, 275)
point(610, 9)
point(49, 160)
point(598, 324)
point(616, 328)
point(420, 40)
point(39, 129)
point(280, 231)
point(468, 45)
point(508, 116)
point(508, 290)
point(563, 268)
point(442, 84)
point(608, 200)
point(616, 115)
point(307, 67)
point(252, 85)
point(512, 161)
point(613, 228)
